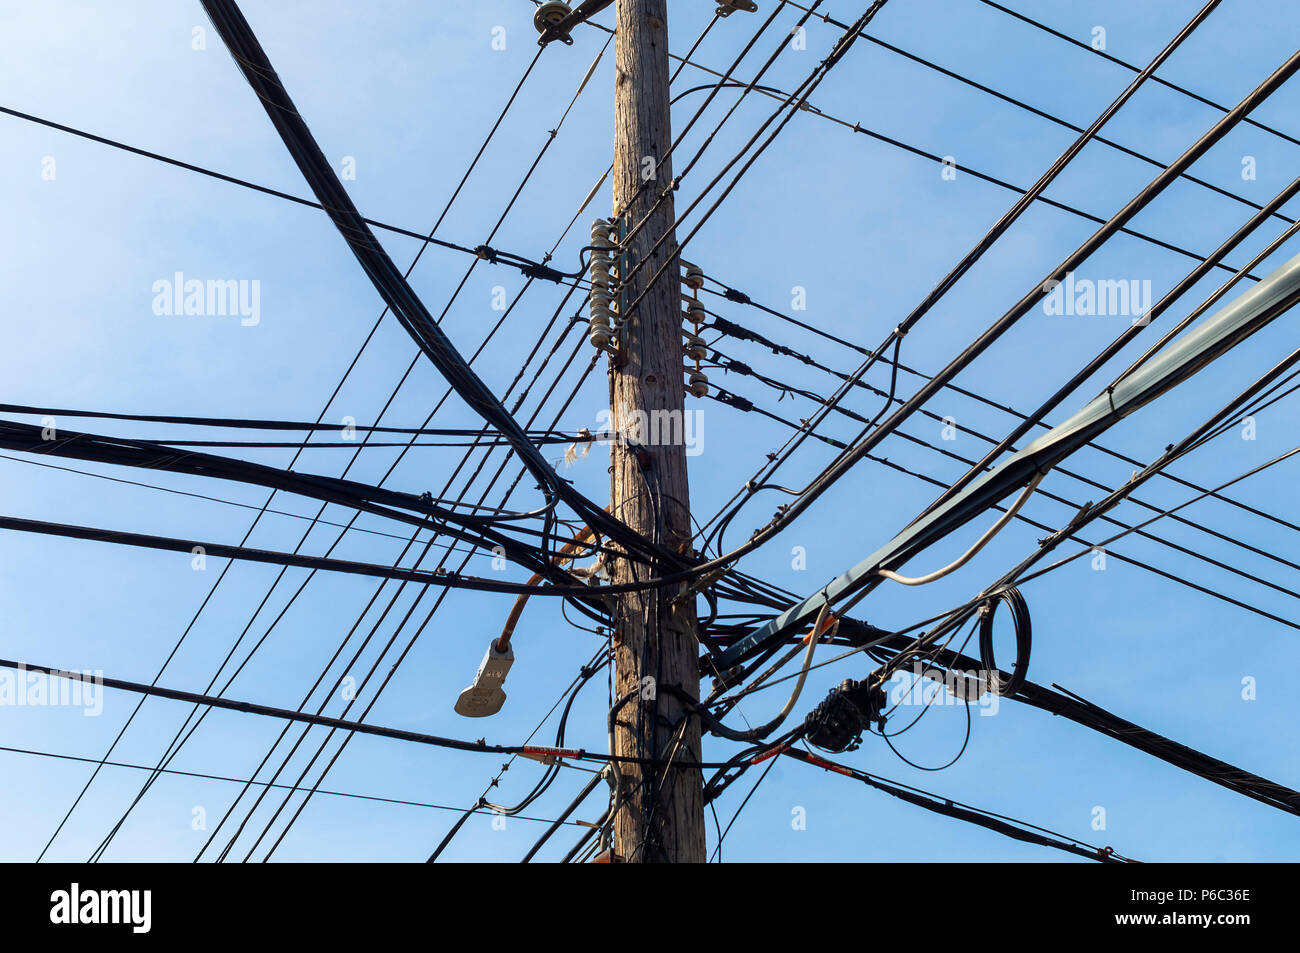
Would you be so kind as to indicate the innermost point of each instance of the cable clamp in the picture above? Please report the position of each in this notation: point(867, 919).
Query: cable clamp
point(1110, 398)
point(542, 271)
point(690, 589)
point(550, 755)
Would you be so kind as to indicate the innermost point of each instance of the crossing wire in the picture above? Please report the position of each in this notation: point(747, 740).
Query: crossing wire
point(324, 410)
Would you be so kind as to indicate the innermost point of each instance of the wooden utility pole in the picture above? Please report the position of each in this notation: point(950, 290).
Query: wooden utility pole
point(661, 813)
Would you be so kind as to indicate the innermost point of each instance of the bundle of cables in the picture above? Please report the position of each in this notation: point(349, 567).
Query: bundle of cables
point(999, 682)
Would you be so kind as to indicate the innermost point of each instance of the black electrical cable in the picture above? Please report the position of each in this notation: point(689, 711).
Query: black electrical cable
point(1115, 59)
point(374, 596)
point(635, 228)
point(410, 643)
point(1044, 114)
point(521, 371)
point(372, 445)
point(197, 496)
point(868, 441)
point(244, 423)
point(199, 775)
point(563, 816)
point(1021, 624)
point(1106, 542)
point(338, 387)
point(489, 337)
point(1064, 704)
point(1196, 554)
point(926, 705)
point(874, 433)
point(1019, 830)
point(178, 741)
point(965, 742)
point(528, 267)
point(733, 330)
point(388, 281)
point(794, 103)
point(1121, 340)
point(1014, 213)
point(359, 727)
point(402, 507)
point(722, 833)
point(568, 693)
point(324, 410)
point(1214, 426)
point(857, 127)
point(1089, 547)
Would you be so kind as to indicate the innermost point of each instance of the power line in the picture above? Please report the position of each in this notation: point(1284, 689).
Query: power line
point(325, 409)
point(1222, 537)
point(1057, 120)
point(870, 438)
point(741, 332)
point(526, 266)
point(533, 534)
point(219, 777)
point(391, 284)
point(983, 176)
point(1010, 827)
point(884, 461)
point(357, 727)
point(510, 204)
point(1115, 59)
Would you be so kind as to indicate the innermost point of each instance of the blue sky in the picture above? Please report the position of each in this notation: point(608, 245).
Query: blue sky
point(409, 91)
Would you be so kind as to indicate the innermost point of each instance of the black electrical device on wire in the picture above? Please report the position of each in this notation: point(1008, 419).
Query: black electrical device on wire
point(837, 723)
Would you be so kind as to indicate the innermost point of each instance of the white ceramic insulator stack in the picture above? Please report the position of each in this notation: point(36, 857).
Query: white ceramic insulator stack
point(601, 325)
point(694, 348)
point(692, 276)
point(699, 384)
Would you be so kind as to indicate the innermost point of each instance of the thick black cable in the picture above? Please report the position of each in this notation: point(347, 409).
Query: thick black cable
point(400, 658)
point(178, 743)
point(1067, 705)
point(338, 387)
point(387, 279)
point(1018, 830)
